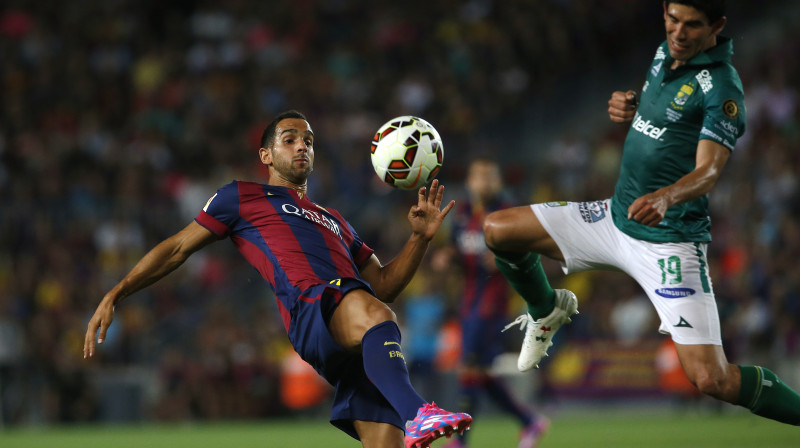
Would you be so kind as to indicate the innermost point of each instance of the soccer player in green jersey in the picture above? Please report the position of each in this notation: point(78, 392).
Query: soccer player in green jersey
point(656, 227)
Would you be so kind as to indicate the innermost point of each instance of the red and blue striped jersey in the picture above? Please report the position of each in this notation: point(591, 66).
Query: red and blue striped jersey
point(486, 291)
point(292, 242)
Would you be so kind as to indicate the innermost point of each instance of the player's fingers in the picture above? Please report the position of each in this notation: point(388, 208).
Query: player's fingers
point(616, 114)
point(421, 195)
point(435, 191)
point(103, 329)
point(88, 341)
point(437, 201)
point(447, 208)
point(632, 97)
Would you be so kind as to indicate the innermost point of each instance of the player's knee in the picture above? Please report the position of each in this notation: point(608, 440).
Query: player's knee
point(491, 231)
point(380, 315)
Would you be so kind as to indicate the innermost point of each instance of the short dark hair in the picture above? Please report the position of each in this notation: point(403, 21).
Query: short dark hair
point(713, 9)
point(268, 136)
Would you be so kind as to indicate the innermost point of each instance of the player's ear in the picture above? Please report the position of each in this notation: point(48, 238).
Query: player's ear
point(717, 26)
point(265, 154)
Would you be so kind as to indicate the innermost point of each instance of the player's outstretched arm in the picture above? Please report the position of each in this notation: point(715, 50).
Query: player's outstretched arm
point(622, 106)
point(651, 208)
point(160, 261)
point(426, 219)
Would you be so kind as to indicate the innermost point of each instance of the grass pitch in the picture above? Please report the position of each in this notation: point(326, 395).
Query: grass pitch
point(579, 429)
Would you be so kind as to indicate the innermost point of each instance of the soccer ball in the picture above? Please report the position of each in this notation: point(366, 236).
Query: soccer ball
point(407, 152)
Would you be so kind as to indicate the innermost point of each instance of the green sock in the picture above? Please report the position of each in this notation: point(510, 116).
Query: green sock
point(766, 395)
point(529, 280)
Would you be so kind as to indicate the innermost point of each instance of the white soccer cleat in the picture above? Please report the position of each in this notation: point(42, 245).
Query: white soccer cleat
point(539, 333)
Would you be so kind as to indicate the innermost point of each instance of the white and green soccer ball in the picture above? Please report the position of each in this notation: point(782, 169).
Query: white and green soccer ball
point(407, 152)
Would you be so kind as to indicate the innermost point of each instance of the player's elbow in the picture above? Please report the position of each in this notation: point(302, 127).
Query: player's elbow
point(387, 297)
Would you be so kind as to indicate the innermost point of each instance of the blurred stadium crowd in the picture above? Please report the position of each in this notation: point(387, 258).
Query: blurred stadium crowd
point(119, 119)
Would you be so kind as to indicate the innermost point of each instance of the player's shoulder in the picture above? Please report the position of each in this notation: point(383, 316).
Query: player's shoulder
point(236, 189)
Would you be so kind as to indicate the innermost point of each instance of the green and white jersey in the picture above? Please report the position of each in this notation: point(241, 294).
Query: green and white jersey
point(702, 99)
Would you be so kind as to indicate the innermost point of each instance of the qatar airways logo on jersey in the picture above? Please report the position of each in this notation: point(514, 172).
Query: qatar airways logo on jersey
point(313, 216)
point(646, 128)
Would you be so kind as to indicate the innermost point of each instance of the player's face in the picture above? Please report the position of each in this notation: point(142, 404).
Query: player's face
point(484, 180)
point(688, 31)
point(292, 154)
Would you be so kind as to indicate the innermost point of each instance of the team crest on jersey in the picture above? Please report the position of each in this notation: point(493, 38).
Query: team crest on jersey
point(660, 54)
point(730, 109)
point(682, 96)
point(592, 211)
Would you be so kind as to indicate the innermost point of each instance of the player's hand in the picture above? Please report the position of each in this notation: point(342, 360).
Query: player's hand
point(649, 209)
point(425, 217)
point(622, 106)
point(100, 321)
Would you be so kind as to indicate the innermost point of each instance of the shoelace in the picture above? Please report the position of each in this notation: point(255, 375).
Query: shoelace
point(522, 321)
point(429, 408)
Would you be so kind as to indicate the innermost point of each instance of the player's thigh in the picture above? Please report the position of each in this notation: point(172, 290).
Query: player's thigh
point(357, 312)
point(379, 435)
point(518, 229)
point(675, 278)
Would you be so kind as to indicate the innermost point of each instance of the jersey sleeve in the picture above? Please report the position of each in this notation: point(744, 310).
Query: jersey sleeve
point(724, 116)
point(358, 249)
point(221, 211)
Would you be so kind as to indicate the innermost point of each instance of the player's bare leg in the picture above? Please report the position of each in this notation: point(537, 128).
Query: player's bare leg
point(356, 314)
point(379, 435)
point(363, 322)
point(753, 387)
point(517, 238)
point(517, 230)
point(709, 370)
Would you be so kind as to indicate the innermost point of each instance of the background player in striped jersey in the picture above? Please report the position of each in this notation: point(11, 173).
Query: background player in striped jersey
point(656, 227)
point(484, 303)
point(326, 281)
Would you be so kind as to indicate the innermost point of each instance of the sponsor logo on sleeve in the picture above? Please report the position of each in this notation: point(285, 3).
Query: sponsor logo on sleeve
point(728, 128)
point(730, 109)
point(555, 204)
point(716, 137)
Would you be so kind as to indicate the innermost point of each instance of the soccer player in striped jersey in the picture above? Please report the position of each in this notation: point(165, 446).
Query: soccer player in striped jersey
point(329, 286)
point(484, 303)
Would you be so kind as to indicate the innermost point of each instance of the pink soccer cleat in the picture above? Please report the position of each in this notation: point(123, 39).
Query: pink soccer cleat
point(433, 422)
point(530, 435)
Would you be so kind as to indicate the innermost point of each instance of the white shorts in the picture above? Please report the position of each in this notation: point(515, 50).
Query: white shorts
point(674, 275)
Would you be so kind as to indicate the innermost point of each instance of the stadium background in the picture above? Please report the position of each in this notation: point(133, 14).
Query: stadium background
point(119, 119)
